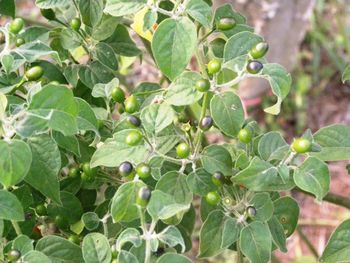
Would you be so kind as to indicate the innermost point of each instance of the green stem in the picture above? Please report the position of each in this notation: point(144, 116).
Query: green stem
point(148, 92)
point(239, 254)
point(145, 233)
point(16, 227)
point(307, 242)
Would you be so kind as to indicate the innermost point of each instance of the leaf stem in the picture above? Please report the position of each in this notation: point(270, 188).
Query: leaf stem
point(307, 242)
point(16, 227)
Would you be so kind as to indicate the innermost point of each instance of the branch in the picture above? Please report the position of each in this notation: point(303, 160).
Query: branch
point(332, 198)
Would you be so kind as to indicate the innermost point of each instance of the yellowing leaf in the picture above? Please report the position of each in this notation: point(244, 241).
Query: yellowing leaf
point(137, 26)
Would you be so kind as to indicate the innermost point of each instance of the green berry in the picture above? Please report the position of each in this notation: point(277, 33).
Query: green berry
point(16, 25)
point(143, 170)
point(259, 50)
point(203, 85)
point(218, 179)
point(34, 73)
point(301, 145)
point(183, 150)
point(131, 104)
point(74, 239)
point(13, 255)
point(41, 210)
point(245, 135)
point(75, 24)
point(19, 41)
point(133, 138)
point(226, 23)
point(213, 198)
point(118, 95)
point(73, 172)
point(214, 66)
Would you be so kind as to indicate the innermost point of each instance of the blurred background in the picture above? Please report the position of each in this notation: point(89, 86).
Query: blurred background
point(311, 38)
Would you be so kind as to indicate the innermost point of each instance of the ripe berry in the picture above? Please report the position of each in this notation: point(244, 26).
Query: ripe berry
point(206, 123)
point(134, 121)
point(143, 196)
point(218, 179)
point(125, 169)
point(254, 67)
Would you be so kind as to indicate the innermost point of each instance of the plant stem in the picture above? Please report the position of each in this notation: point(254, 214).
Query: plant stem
point(146, 234)
point(16, 227)
point(307, 242)
point(332, 198)
point(239, 254)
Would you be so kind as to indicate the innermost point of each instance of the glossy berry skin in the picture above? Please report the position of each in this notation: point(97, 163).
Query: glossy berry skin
point(245, 135)
point(13, 255)
point(49, 14)
point(75, 24)
point(74, 239)
point(203, 85)
point(134, 121)
point(61, 222)
point(16, 25)
point(143, 170)
point(259, 50)
point(218, 179)
point(73, 172)
point(86, 177)
point(143, 196)
point(131, 104)
point(133, 138)
point(87, 169)
point(41, 210)
point(206, 123)
point(19, 42)
point(118, 95)
point(213, 198)
point(254, 67)
point(214, 66)
point(125, 169)
point(183, 150)
point(225, 23)
point(34, 73)
point(301, 145)
point(251, 211)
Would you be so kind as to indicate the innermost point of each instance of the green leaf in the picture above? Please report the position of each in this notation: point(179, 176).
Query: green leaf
point(255, 242)
point(346, 74)
point(105, 28)
point(200, 11)
point(60, 250)
point(240, 44)
point(156, 117)
point(217, 233)
point(107, 155)
point(149, 20)
point(105, 90)
point(173, 45)
point(33, 51)
point(122, 44)
point(91, 11)
point(94, 73)
point(173, 258)
point(35, 257)
point(131, 235)
point(172, 237)
point(200, 182)
point(272, 146)
point(335, 142)
point(287, 213)
point(182, 90)
point(57, 97)
point(163, 206)
point(91, 220)
point(70, 209)
point(215, 158)
point(123, 205)
point(45, 4)
point(126, 257)
point(277, 233)
point(262, 176)
point(227, 112)
point(8, 8)
point(70, 39)
point(263, 205)
point(96, 249)
point(313, 177)
point(35, 33)
point(124, 7)
point(23, 244)
point(15, 161)
point(43, 173)
point(86, 120)
point(69, 143)
point(174, 183)
point(10, 207)
point(105, 54)
point(338, 246)
point(280, 81)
